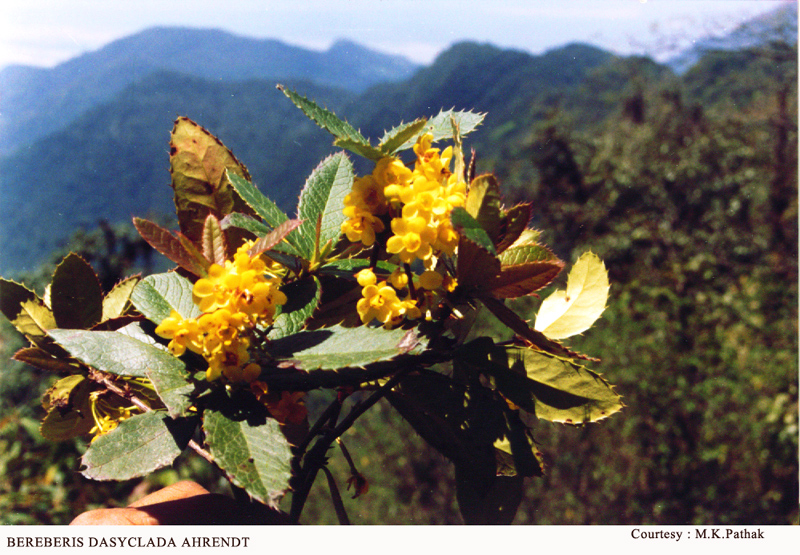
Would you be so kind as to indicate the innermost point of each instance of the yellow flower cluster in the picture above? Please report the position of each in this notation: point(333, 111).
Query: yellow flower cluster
point(420, 202)
point(234, 298)
point(379, 301)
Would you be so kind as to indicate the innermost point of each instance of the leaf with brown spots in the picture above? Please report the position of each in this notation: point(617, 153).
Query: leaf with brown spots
point(198, 161)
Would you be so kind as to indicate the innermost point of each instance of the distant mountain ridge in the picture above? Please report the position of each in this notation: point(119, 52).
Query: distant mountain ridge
point(38, 101)
point(777, 25)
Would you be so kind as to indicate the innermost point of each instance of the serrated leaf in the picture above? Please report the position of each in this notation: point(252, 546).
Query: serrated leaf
point(339, 347)
point(113, 352)
point(441, 126)
point(256, 200)
point(395, 138)
point(214, 247)
point(123, 355)
point(198, 165)
point(520, 327)
point(68, 410)
point(172, 247)
point(555, 389)
point(475, 266)
point(515, 222)
point(157, 295)
point(572, 311)
point(115, 302)
point(27, 313)
point(303, 297)
point(256, 457)
point(483, 204)
point(243, 221)
point(524, 270)
point(76, 296)
point(323, 197)
point(477, 262)
point(364, 150)
point(325, 118)
point(274, 237)
point(137, 446)
point(34, 319)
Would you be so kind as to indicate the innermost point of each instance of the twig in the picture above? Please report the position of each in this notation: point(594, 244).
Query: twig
point(316, 457)
point(139, 404)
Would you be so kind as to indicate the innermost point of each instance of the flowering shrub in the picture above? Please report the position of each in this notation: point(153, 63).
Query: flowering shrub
point(372, 288)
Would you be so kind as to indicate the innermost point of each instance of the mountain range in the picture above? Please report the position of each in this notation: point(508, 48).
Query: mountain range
point(36, 101)
point(777, 25)
point(89, 139)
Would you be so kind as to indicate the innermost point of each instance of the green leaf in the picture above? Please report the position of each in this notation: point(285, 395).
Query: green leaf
point(243, 221)
point(348, 267)
point(323, 197)
point(117, 300)
point(441, 126)
point(524, 270)
point(469, 227)
point(483, 204)
point(157, 295)
point(76, 296)
point(123, 355)
point(361, 149)
point(572, 311)
point(303, 297)
point(68, 411)
point(338, 347)
point(182, 253)
point(256, 457)
point(256, 200)
point(137, 446)
point(394, 139)
point(553, 388)
point(215, 248)
point(325, 118)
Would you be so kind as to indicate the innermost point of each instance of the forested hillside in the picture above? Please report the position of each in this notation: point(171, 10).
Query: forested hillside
point(686, 186)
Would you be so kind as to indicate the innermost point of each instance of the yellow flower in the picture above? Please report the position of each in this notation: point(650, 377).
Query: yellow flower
point(380, 302)
point(361, 225)
point(233, 299)
point(412, 239)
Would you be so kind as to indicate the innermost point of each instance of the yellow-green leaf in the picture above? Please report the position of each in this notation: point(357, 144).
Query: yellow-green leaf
point(572, 311)
point(118, 298)
point(198, 164)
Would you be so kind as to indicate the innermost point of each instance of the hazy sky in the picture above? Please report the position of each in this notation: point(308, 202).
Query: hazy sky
point(46, 32)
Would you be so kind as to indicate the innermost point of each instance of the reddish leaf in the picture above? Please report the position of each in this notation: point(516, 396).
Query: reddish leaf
point(274, 237)
point(172, 247)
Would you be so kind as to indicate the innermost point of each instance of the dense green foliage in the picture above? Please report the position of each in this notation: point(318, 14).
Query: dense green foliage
point(687, 188)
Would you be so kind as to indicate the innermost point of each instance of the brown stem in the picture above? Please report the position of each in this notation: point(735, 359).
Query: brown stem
point(139, 404)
